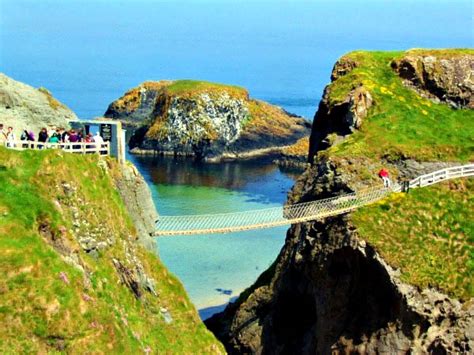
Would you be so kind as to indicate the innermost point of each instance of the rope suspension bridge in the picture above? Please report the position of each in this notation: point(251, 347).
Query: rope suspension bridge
point(297, 213)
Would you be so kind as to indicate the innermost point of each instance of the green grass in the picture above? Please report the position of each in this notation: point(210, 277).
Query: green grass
point(428, 234)
point(39, 312)
point(191, 87)
point(401, 122)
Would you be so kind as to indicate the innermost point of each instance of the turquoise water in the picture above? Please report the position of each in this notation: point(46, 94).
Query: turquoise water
point(216, 268)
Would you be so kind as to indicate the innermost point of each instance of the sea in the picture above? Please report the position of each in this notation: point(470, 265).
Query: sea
point(88, 53)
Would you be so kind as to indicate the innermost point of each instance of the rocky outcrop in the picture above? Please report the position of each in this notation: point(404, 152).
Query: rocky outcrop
point(295, 156)
point(448, 78)
point(330, 290)
point(205, 120)
point(335, 120)
point(136, 196)
point(24, 107)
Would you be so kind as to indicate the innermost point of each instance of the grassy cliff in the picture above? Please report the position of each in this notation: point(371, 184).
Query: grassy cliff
point(57, 293)
point(428, 233)
point(401, 122)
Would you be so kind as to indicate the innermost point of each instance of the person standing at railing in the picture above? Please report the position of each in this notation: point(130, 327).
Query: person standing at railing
point(74, 138)
point(88, 139)
point(25, 137)
point(383, 174)
point(64, 135)
point(54, 138)
point(98, 140)
point(42, 137)
point(10, 138)
point(31, 138)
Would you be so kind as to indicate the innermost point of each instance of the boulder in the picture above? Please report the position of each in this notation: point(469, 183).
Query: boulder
point(449, 78)
point(24, 107)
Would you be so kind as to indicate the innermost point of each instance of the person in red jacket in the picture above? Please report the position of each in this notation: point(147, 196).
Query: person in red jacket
point(385, 177)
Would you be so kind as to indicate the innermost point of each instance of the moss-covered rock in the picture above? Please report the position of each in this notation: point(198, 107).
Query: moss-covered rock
point(202, 119)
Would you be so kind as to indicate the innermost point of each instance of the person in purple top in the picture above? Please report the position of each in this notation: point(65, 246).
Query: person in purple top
point(73, 137)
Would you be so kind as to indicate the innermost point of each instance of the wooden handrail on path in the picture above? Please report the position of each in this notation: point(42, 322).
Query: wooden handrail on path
point(77, 147)
point(297, 213)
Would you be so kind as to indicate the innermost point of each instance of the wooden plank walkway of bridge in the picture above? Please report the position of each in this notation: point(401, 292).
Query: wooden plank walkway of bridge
point(297, 213)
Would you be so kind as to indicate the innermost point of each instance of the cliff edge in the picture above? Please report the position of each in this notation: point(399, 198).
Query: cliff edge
point(393, 277)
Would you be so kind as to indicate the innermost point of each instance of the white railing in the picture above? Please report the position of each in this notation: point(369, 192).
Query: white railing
point(441, 175)
point(77, 147)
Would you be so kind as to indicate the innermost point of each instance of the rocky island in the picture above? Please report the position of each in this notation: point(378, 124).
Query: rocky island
point(206, 120)
point(393, 277)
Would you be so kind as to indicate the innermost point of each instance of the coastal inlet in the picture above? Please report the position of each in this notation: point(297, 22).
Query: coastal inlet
point(216, 268)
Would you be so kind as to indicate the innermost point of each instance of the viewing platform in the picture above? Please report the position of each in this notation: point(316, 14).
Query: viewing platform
point(112, 144)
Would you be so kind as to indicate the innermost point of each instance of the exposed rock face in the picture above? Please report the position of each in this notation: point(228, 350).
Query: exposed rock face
point(449, 79)
point(193, 123)
point(205, 120)
point(24, 107)
point(343, 66)
point(136, 195)
point(331, 292)
point(296, 155)
point(335, 121)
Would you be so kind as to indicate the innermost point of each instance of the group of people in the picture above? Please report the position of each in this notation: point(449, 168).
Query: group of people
point(52, 135)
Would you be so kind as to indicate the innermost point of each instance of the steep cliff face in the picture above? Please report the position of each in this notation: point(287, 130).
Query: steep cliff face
point(202, 119)
point(24, 107)
point(76, 277)
point(395, 277)
point(136, 196)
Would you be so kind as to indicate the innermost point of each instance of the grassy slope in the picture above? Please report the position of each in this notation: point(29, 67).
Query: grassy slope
point(38, 310)
point(402, 123)
point(428, 233)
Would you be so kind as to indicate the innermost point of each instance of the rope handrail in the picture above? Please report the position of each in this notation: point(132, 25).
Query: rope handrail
point(296, 213)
